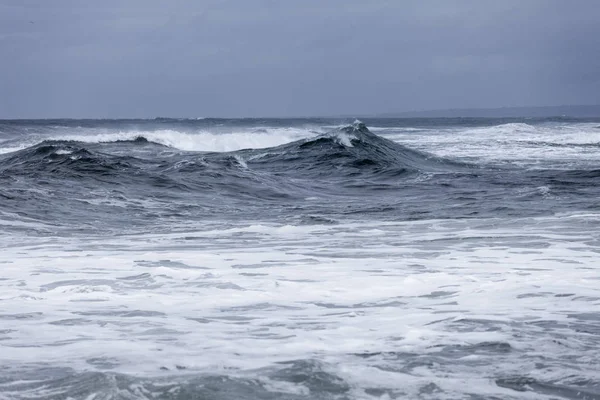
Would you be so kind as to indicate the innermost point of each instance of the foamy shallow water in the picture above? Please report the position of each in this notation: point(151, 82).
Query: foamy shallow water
point(431, 309)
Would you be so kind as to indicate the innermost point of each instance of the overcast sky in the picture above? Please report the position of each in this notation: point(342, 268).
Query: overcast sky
point(147, 58)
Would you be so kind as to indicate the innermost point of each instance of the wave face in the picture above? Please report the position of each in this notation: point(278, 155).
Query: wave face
point(352, 151)
point(299, 259)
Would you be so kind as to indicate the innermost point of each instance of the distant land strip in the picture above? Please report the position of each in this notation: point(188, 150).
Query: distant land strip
point(576, 111)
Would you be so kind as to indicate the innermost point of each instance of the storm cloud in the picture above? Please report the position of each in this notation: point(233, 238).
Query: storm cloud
point(147, 58)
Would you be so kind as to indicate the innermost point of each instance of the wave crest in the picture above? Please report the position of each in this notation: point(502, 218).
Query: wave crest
point(351, 150)
point(198, 141)
point(64, 159)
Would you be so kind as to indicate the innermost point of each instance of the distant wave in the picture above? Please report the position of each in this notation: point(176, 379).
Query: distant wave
point(509, 128)
point(200, 141)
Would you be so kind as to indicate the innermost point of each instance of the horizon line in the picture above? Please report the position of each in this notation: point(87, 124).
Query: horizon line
point(389, 114)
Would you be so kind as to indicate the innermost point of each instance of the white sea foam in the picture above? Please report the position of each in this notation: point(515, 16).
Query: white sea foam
point(203, 141)
point(343, 138)
point(12, 149)
point(241, 161)
point(63, 152)
point(557, 145)
point(248, 296)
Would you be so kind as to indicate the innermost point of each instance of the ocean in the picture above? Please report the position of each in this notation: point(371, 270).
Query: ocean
point(300, 259)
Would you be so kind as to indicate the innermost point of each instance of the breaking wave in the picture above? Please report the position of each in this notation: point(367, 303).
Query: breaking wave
point(186, 141)
point(352, 150)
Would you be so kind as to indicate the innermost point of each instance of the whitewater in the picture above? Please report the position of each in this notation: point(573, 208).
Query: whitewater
point(300, 259)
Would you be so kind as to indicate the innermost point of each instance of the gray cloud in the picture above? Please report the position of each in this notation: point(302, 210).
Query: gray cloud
point(144, 58)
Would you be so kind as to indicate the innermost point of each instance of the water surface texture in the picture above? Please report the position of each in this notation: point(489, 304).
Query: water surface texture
point(300, 259)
